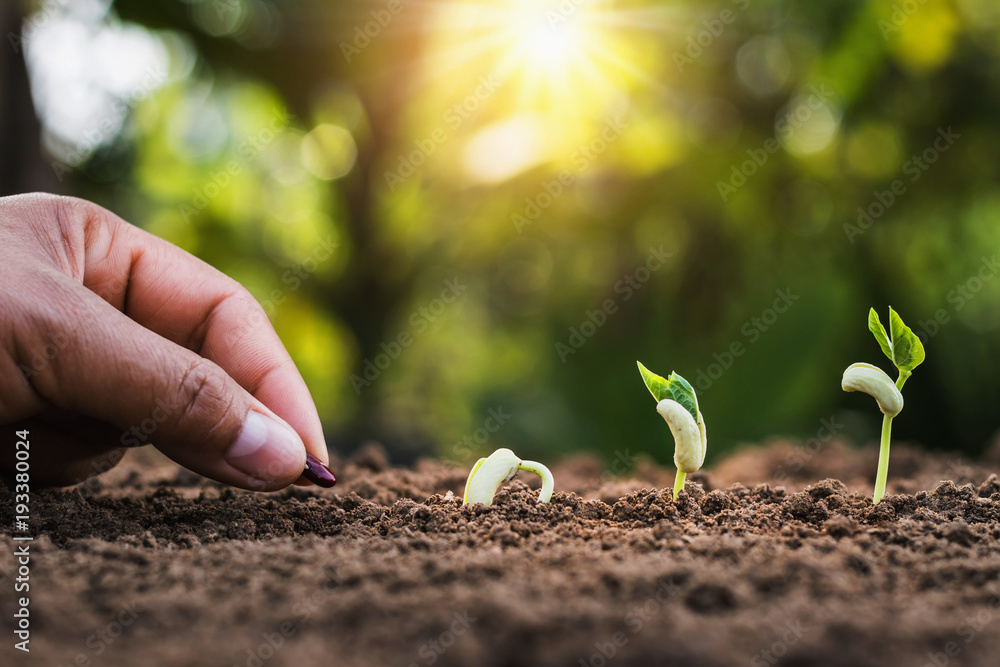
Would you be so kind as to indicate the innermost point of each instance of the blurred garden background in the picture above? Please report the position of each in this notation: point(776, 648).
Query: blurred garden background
point(468, 219)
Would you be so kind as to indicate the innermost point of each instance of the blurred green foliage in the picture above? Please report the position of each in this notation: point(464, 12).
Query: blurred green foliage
point(740, 137)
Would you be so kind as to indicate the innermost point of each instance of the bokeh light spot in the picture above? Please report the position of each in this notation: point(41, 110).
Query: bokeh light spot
point(763, 65)
point(505, 149)
point(873, 151)
point(329, 151)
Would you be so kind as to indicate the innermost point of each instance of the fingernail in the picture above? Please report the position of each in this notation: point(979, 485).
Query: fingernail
point(266, 449)
point(317, 473)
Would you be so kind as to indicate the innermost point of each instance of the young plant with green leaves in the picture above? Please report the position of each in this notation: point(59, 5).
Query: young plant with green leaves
point(501, 466)
point(906, 352)
point(678, 405)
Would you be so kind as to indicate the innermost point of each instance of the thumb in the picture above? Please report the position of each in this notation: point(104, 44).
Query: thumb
point(115, 370)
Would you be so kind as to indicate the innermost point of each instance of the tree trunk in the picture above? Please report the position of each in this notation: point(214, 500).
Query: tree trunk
point(23, 166)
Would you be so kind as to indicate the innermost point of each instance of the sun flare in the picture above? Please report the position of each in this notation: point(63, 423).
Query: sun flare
point(570, 65)
point(566, 54)
point(551, 42)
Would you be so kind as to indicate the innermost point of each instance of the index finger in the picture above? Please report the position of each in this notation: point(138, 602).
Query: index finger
point(189, 302)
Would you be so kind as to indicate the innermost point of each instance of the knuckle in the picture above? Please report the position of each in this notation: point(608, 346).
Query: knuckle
point(251, 316)
point(237, 306)
point(250, 306)
point(61, 226)
point(203, 394)
point(73, 207)
point(70, 215)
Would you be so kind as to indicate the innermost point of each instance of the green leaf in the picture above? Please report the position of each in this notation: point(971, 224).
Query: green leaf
point(657, 385)
point(674, 387)
point(875, 326)
point(907, 350)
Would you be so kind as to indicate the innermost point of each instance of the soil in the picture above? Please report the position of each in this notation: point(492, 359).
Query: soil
point(765, 559)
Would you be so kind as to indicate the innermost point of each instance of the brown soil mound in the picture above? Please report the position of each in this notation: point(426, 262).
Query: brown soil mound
point(152, 565)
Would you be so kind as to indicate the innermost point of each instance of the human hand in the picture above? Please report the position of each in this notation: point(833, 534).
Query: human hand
point(111, 337)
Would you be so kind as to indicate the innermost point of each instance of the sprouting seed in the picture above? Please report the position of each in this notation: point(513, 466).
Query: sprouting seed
point(873, 381)
point(501, 466)
point(906, 352)
point(678, 405)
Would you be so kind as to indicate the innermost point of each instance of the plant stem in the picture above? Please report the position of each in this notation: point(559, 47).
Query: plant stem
point(883, 460)
point(545, 495)
point(679, 482)
point(883, 453)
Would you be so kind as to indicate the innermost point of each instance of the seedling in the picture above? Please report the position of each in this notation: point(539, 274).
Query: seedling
point(906, 352)
point(501, 466)
point(678, 405)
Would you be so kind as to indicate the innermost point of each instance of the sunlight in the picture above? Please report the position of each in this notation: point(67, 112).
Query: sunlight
point(565, 57)
point(502, 150)
point(573, 65)
point(550, 41)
